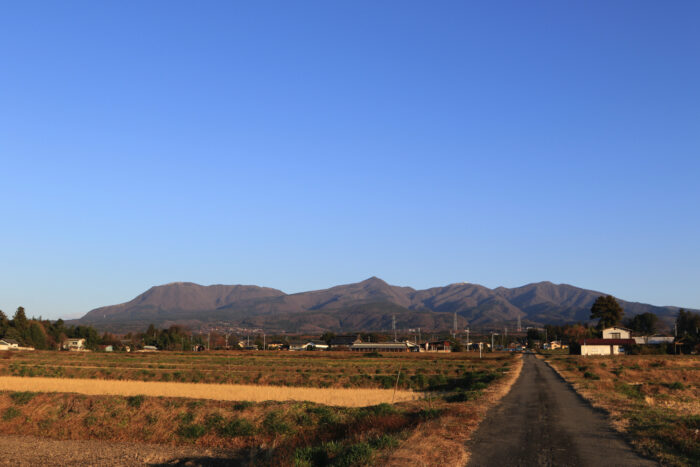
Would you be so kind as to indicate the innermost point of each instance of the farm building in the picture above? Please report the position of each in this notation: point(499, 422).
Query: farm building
point(615, 340)
point(601, 346)
point(654, 340)
point(437, 346)
point(344, 342)
point(74, 345)
point(380, 347)
point(315, 345)
point(9, 344)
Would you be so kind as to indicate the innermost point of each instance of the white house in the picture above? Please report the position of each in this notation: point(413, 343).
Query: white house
point(616, 332)
point(614, 342)
point(9, 344)
point(75, 345)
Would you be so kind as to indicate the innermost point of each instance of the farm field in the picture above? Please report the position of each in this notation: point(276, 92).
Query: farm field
point(418, 371)
point(449, 393)
point(653, 399)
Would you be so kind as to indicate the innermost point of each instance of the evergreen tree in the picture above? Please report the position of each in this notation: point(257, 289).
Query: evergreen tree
point(20, 320)
point(607, 311)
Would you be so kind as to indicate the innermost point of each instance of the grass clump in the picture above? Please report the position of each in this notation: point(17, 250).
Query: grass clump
point(235, 427)
point(10, 413)
point(135, 401)
point(21, 398)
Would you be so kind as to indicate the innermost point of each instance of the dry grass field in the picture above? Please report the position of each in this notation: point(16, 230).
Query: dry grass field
point(454, 391)
point(355, 397)
point(653, 399)
point(272, 368)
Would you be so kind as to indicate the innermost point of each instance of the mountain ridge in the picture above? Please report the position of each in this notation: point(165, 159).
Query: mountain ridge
point(367, 305)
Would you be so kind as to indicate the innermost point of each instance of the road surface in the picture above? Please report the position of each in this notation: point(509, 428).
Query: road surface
point(543, 422)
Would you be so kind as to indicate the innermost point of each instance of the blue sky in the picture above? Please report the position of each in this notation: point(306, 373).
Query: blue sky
point(300, 145)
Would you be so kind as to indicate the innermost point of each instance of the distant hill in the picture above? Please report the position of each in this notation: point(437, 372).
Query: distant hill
point(367, 305)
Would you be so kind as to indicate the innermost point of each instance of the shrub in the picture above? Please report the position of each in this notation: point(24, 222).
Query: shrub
point(629, 390)
point(590, 375)
point(191, 431)
point(21, 398)
point(429, 414)
point(676, 385)
point(135, 401)
point(242, 405)
point(236, 427)
point(10, 413)
point(355, 454)
point(273, 423)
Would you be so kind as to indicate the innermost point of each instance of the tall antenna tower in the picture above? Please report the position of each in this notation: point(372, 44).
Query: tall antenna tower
point(520, 328)
point(454, 324)
point(393, 325)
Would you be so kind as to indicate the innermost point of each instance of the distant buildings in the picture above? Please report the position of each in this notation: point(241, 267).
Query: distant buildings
point(74, 345)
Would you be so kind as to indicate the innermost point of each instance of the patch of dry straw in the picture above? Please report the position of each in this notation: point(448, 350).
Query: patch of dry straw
point(228, 392)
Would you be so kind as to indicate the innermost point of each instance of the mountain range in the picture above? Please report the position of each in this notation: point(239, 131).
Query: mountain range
point(368, 306)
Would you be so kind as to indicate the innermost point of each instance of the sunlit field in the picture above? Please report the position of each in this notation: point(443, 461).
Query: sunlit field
point(302, 409)
point(655, 399)
point(416, 371)
point(357, 397)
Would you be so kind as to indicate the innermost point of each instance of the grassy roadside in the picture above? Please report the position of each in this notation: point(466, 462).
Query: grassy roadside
point(653, 400)
point(442, 441)
point(272, 433)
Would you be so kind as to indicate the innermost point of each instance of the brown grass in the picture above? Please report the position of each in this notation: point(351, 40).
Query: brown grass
point(224, 392)
point(443, 441)
point(651, 399)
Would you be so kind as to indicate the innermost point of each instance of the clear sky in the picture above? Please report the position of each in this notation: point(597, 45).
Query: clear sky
point(300, 145)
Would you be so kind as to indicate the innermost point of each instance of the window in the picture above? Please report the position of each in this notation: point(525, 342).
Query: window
point(614, 335)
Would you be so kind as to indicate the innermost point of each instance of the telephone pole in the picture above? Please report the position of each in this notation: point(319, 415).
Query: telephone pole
point(393, 325)
point(454, 325)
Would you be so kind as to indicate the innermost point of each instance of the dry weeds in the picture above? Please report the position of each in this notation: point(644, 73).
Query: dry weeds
point(443, 441)
point(225, 392)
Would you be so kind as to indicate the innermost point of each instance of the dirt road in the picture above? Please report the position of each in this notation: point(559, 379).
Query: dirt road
point(543, 422)
point(31, 451)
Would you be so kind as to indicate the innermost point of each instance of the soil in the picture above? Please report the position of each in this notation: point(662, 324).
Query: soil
point(32, 451)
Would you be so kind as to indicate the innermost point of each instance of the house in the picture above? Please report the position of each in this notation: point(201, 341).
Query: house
point(616, 332)
point(380, 347)
point(438, 346)
point(148, 348)
point(9, 344)
point(344, 342)
point(654, 340)
point(614, 342)
point(315, 345)
point(74, 345)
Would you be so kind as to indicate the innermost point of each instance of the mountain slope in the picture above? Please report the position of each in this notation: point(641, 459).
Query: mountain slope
point(366, 305)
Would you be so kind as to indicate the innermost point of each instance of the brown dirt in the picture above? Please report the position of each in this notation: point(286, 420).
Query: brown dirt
point(31, 451)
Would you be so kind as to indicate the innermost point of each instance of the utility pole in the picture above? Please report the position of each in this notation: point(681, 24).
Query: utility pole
point(468, 341)
point(419, 338)
point(226, 341)
point(454, 325)
point(520, 328)
point(264, 342)
point(208, 340)
point(393, 325)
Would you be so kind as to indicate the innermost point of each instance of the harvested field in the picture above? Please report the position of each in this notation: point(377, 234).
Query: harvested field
point(652, 399)
point(418, 372)
point(457, 389)
point(224, 392)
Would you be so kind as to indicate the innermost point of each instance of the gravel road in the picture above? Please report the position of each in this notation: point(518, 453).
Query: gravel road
point(543, 422)
point(31, 451)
